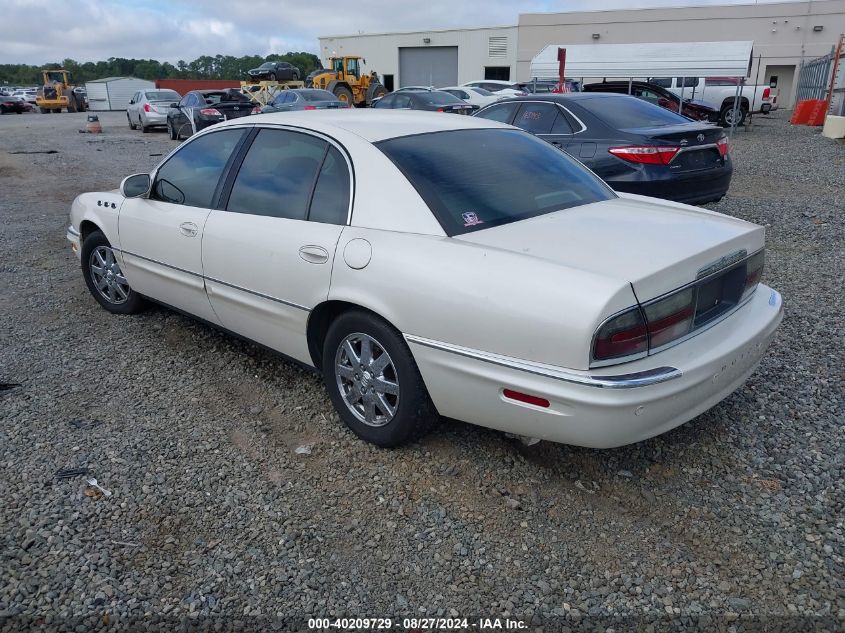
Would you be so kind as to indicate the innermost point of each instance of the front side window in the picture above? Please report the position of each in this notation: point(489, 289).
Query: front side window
point(502, 112)
point(190, 176)
point(473, 195)
point(663, 82)
point(330, 203)
point(277, 175)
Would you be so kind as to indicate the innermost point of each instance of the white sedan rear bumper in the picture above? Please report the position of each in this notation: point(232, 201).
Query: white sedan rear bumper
point(607, 407)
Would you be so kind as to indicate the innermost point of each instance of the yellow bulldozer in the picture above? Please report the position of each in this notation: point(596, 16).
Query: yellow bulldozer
point(57, 93)
point(345, 79)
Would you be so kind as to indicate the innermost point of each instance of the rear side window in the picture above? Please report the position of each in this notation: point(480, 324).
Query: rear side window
point(191, 175)
point(537, 118)
point(277, 175)
point(502, 112)
point(437, 97)
point(330, 203)
point(624, 112)
point(473, 195)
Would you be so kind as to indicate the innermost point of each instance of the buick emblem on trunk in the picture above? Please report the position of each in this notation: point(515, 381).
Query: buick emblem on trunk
point(684, 142)
point(700, 137)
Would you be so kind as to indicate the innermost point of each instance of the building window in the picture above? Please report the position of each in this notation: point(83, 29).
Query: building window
point(497, 46)
point(502, 73)
point(388, 82)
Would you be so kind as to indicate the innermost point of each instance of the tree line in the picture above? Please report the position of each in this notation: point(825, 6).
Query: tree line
point(203, 67)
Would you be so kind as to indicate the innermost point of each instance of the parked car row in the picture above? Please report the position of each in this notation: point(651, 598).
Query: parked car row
point(629, 141)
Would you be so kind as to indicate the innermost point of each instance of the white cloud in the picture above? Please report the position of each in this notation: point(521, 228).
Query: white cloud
point(41, 31)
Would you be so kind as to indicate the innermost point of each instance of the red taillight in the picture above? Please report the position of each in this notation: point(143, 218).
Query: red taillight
point(210, 112)
point(645, 154)
point(722, 145)
point(440, 109)
point(753, 272)
point(309, 107)
point(255, 110)
point(766, 93)
point(537, 401)
point(622, 335)
point(147, 108)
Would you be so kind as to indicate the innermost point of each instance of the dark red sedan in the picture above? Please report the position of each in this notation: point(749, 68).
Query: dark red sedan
point(695, 110)
point(13, 104)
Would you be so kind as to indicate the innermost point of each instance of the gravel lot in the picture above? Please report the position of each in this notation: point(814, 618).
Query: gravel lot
point(733, 520)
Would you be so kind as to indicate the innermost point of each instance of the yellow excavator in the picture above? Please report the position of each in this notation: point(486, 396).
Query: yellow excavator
point(56, 93)
point(345, 80)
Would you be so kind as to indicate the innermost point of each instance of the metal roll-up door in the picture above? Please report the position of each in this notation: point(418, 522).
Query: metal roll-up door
point(428, 66)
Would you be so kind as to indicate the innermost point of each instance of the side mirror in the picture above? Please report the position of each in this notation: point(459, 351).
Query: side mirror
point(174, 105)
point(135, 186)
point(131, 102)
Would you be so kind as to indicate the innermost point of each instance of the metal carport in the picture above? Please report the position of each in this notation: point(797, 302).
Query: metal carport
point(630, 61)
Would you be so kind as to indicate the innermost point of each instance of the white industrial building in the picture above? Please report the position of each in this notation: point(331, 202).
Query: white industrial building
point(114, 93)
point(784, 34)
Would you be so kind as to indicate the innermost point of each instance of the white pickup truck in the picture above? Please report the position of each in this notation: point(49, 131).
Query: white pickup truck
point(720, 93)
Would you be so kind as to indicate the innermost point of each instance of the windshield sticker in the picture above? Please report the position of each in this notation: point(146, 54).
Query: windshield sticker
point(471, 218)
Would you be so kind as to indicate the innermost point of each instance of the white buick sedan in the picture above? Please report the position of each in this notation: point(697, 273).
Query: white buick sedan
point(432, 265)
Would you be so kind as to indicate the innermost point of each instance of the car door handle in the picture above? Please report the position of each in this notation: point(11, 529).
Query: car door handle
point(314, 254)
point(188, 229)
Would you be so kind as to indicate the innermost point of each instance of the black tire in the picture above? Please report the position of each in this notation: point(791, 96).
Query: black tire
point(44, 110)
point(143, 127)
point(171, 132)
point(375, 91)
point(131, 125)
point(133, 302)
point(71, 103)
point(271, 76)
point(343, 94)
point(727, 111)
point(415, 414)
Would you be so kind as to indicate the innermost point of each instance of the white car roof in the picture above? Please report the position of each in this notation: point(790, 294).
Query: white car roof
point(371, 125)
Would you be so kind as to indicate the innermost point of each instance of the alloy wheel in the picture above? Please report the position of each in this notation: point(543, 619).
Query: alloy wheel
point(107, 276)
point(367, 379)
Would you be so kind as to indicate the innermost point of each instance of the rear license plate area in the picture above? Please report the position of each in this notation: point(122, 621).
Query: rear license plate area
point(719, 295)
point(694, 160)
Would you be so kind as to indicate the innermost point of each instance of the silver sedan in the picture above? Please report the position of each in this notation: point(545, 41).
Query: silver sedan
point(148, 108)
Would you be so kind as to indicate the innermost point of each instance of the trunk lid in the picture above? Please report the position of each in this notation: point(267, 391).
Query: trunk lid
point(233, 109)
point(654, 245)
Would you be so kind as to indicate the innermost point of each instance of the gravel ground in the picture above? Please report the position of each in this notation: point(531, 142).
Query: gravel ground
point(733, 520)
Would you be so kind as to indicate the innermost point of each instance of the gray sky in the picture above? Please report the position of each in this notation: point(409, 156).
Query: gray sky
point(40, 31)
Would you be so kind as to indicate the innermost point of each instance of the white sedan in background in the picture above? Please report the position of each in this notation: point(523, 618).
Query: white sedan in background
point(440, 266)
point(474, 95)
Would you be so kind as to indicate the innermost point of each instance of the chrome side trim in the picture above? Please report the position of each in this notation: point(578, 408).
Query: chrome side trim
point(622, 381)
point(217, 281)
point(73, 231)
point(258, 294)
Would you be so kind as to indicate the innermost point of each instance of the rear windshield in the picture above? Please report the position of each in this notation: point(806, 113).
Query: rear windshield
point(624, 112)
point(317, 95)
point(163, 95)
point(437, 97)
point(482, 91)
point(508, 175)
